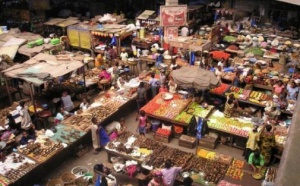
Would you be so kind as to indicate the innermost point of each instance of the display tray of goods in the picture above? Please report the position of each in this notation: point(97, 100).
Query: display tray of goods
point(220, 90)
point(111, 99)
point(80, 121)
point(238, 61)
point(184, 117)
point(66, 134)
point(234, 126)
point(15, 166)
point(101, 112)
point(175, 106)
point(213, 171)
point(271, 55)
point(155, 104)
point(200, 110)
point(168, 108)
point(239, 93)
point(232, 47)
point(4, 181)
point(146, 143)
point(270, 175)
point(218, 55)
point(256, 51)
point(259, 97)
point(235, 170)
point(229, 39)
point(214, 156)
point(42, 150)
point(280, 138)
point(163, 132)
point(127, 143)
point(179, 158)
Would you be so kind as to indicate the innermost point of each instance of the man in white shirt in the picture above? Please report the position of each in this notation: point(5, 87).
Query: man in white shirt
point(184, 31)
point(124, 55)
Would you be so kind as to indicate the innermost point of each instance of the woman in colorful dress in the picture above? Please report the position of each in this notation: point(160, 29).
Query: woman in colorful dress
point(267, 143)
point(229, 106)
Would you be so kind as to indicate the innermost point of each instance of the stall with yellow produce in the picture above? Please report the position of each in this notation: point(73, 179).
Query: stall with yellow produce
point(237, 129)
point(195, 109)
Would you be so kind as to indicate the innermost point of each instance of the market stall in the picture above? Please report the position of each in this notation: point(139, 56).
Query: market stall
point(40, 69)
point(238, 129)
point(151, 155)
point(166, 107)
point(189, 43)
point(101, 36)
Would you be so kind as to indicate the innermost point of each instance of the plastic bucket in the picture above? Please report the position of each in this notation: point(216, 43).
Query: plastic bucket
point(155, 124)
point(178, 129)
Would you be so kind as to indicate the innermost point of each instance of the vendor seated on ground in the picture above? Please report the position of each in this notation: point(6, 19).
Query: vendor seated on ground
point(84, 105)
point(61, 115)
point(119, 129)
point(256, 160)
point(104, 78)
point(66, 101)
point(26, 138)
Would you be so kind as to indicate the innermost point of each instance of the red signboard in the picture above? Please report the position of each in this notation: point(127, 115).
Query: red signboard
point(173, 15)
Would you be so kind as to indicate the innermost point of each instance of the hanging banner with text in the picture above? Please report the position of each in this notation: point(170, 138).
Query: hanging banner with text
point(173, 15)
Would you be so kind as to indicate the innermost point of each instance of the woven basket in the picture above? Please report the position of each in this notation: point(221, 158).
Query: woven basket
point(132, 63)
point(55, 182)
point(81, 182)
point(68, 178)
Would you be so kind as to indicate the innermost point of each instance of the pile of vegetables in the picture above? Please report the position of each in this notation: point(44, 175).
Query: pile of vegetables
point(218, 55)
point(233, 47)
point(220, 89)
point(229, 39)
point(255, 50)
point(163, 132)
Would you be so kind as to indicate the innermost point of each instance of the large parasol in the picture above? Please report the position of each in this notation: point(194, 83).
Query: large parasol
point(191, 77)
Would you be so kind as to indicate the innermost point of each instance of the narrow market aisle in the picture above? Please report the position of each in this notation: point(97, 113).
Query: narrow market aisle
point(90, 159)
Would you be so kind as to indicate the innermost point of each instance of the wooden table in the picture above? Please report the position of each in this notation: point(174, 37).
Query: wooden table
point(229, 76)
point(265, 87)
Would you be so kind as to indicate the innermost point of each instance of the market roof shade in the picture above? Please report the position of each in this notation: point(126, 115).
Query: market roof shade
point(48, 65)
point(295, 2)
point(191, 77)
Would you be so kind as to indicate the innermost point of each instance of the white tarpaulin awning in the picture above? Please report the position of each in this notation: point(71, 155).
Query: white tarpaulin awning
point(295, 2)
point(35, 66)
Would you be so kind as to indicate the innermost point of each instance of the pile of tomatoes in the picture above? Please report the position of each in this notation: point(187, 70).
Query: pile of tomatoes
point(163, 132)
